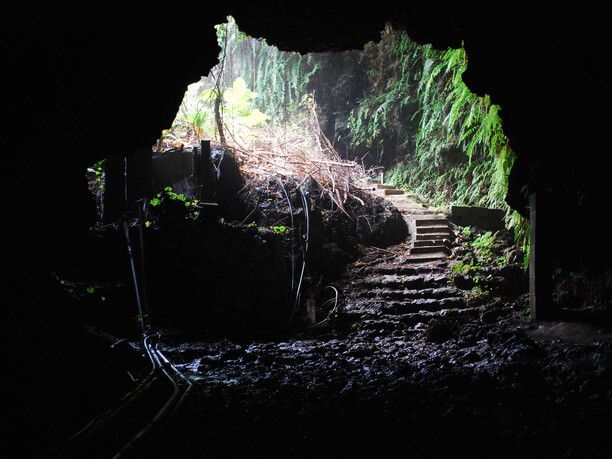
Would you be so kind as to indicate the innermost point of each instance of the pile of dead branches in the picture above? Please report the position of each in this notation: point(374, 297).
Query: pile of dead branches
point(304, 153)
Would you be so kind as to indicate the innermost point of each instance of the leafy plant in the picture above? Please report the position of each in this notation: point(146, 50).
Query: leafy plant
point(191, 204)
point(98, 168)
point(280, 79)
point(483, 244)
point(480, 290)
point(169, 193)
point(195, 119)
point(240, 114)
point(276, 229)
point(461, 268)
point(476, 265)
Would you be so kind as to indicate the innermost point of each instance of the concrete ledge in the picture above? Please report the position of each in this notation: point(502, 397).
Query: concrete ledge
point(481, 217)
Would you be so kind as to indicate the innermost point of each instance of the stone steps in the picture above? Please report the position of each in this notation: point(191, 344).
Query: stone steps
point(413, 286)
point(408, 294)
point(424, 304)
point(430, 231)
point(430, 249)
point(431, 242)
point(412, 281)
point(402, 270)
point(403, 321)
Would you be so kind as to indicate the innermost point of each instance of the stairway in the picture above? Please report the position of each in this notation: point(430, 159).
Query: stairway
point(430, 233)
point(406, 285)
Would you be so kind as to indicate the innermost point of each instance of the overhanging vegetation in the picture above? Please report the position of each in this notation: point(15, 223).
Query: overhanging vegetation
point(336, 117)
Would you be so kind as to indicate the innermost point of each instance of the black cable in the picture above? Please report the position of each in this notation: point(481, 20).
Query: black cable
point(304, 254)
point(292, 237)
point(143, 277)
point(126, 231)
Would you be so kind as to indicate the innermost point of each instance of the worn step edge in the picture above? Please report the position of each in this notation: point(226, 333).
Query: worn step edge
point(409, 279)
point(429, 305)
point(423, 260)
point(431, 242)
point(405, 296)
point(425, 236)
point(440, 221)
point(434, 229)
point(423, 249)
point(363, 312)
point(402, 270)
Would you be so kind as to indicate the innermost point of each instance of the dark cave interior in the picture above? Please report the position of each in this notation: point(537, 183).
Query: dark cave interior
point(83, 84)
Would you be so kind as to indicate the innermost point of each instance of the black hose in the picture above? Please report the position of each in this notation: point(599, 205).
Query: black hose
point(292, 238)
point(161, 417)
point(126, 231)
point(141, 219)
point(306, 240)
point(332, 310)
point(296, 301)
point(304, 255)
point(79, 439)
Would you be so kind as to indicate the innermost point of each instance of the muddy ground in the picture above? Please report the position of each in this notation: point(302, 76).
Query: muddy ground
point(488, 384)
point(484, 380)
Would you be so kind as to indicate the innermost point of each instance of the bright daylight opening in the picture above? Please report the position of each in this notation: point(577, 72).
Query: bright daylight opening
point(268, 136)
point(394, 110)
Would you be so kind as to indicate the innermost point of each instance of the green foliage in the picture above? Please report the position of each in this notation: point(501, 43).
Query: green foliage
point(417, 117)
point(276, 229)
point(480, 290)
point(377, 121)
point(222, 101)
point(97, 183)
point(466, 232)
point(440, 140)
point(98, 168)
point(280, 79)
point(454, 120)
point(462, 267)
point(483, 244)
point(475, 268)
point(196, 118)
point(79, 290)
point(483, 254)
point(279, 229)
point(168, 193)
point(520, 227)
point(239, 104)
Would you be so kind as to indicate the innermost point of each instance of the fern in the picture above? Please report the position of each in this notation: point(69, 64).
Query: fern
point(416, 111)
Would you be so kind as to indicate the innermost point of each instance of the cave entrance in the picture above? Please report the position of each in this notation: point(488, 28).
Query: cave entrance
point(394, 107)
point(394, 111)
